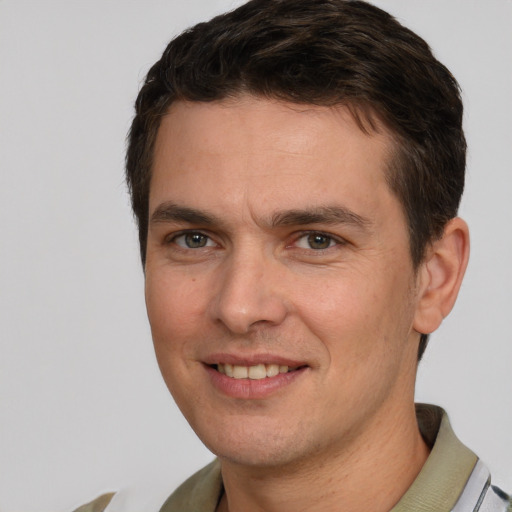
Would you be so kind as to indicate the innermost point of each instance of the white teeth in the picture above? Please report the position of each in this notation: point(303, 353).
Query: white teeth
point(272, 370)
point(240, 372)
point(228, 369)
point(255, 372)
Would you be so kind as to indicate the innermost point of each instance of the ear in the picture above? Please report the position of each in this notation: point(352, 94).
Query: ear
point(440, 276)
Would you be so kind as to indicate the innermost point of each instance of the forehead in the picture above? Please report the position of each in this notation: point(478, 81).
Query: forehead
point(266, 151)
point(265, 116)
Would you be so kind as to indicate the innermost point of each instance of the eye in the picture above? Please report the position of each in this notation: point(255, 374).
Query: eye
point(193, 240)
point(316, 241)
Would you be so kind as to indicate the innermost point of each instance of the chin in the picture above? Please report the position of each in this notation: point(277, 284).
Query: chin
point(263, 448)
point(257, 456)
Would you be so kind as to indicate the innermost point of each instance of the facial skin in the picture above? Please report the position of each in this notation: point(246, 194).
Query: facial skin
point(274, 238)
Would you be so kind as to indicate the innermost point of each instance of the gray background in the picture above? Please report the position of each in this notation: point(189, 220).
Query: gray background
point(82, 406)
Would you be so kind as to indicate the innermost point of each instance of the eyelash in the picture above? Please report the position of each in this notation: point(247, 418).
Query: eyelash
point(331, 239)
point(173, 239)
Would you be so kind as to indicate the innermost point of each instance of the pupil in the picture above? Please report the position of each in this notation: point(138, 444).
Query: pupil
point(195, 240)
point(319, 241)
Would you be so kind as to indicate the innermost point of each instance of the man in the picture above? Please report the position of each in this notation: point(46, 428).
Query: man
point(296, 168)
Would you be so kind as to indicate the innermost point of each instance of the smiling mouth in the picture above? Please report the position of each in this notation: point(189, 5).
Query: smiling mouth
point(255, 372)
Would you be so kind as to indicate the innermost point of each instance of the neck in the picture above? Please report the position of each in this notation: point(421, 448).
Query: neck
point(371, 472)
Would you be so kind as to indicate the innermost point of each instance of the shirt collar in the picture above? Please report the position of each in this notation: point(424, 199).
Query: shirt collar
point(446, 471)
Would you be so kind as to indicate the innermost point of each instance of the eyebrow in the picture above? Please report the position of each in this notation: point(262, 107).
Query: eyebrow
point(171, 212)
point(320, 215)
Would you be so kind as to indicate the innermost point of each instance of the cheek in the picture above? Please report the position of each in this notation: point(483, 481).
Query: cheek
point(175, 309)
point(176, 317)
point(357, 319)
point(337, 308)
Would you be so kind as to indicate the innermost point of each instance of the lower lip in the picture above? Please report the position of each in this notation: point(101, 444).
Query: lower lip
point(249, 389)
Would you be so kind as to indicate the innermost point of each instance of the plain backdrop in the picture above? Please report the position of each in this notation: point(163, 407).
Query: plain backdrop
point(83, 409)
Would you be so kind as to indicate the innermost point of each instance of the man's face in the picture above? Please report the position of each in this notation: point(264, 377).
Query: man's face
point(275, 245)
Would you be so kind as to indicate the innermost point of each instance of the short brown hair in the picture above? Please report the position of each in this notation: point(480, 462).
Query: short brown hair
point(320, 52)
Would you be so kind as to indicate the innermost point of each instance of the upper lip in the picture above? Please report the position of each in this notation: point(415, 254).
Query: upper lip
point(252, 359)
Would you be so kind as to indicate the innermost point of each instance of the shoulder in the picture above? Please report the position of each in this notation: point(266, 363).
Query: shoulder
point(201, 492)
point(97, 505)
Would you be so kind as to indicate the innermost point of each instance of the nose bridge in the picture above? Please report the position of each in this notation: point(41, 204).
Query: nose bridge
point(248, 293)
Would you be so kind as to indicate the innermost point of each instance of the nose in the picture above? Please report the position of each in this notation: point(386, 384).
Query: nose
point(249, 293)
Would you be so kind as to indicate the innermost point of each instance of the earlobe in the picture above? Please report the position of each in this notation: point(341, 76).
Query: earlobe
point(440, 276)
